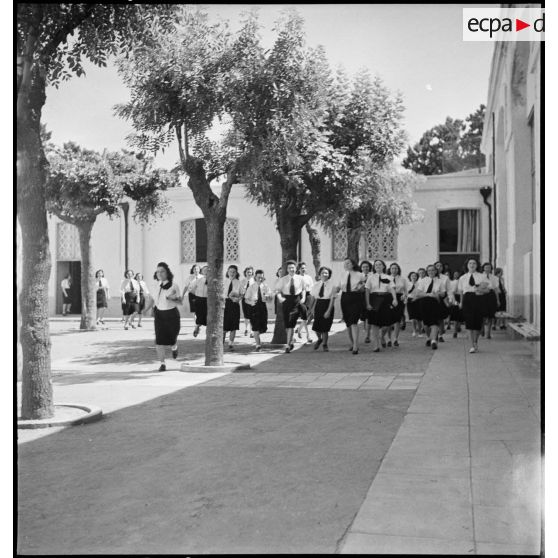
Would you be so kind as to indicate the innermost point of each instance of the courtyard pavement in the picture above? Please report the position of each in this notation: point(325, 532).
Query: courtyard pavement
point(406, 451)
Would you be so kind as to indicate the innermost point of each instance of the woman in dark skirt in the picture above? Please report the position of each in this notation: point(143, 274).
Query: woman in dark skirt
point(431, 290)
point(199, 288)
point(366, 269)
point(323, 294)
point(130, 294)
point(413, 306)
point(102, 295)
point(351, 286)
point(257, 297)
point(490, 300)
point(166, 314)
point(502, 304)
point(245, 282)
point(381, 298)
point(471, 290)
point(291, 292)
point(397, 313)
point(231, 318)
point(194, 276)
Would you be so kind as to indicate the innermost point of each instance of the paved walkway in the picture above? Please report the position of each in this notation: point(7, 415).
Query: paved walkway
point(409, 450)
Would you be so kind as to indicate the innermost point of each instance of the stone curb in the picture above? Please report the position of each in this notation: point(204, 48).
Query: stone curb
point(199, 367)
point(92, 414)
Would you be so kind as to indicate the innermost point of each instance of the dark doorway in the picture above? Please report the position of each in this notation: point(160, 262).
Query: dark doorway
point(62, 270)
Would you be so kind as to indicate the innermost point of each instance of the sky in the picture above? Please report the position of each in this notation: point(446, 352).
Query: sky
point(417, 49)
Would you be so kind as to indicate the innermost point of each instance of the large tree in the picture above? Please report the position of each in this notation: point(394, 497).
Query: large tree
point(83, 184)
point(449, 147)
point(181, 84)
point(52, 40)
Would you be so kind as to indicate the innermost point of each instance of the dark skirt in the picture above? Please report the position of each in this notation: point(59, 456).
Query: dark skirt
point(167, 326)
point(444, 310)
point(413, 309)
point(381, 314)
point(192, 301)
point(201, 310)
point(472, 311)
point(430, 310)
point(351, 307)
point(258, 317)
point(141, 302)
point(321, 324)
point(304, 306)
point(502, 306)
point(246, 310)
point(291, 310)
point(456, 314)
point(398, 312)
point(364, 310)
point(131, 304)
point(102, 298)
point(66, 299)
point(231, 319)
point(489, 304)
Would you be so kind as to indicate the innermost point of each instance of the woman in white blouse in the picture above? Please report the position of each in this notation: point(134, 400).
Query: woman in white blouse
point(398, 313)
point(444, 303)
point(380, 300)
point(245, 282)
point(365, 269)
point(144, 294)
point(194, 276)
point(102, 295)
point(199, 288)
point(431, 289)
point(166, 314)
point(130, 295)
point(231, 317)
point(471, 287)
point(308, 284)
point(351, 286)
point(491, 298)
point(413, 306)
point(257, 296)
point(323, 295)
point(456, 315)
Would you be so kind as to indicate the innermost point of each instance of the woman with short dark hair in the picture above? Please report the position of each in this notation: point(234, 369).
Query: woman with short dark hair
point(231, 316)
point(470, 287)
point(323, 296)
point(194, 276)
point(130, 294)
point(102, 287)
point(199, 288)
point(351, 286)
point(144, 293)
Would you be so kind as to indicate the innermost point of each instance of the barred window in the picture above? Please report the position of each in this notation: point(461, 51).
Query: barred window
point(381, 243)
point(339, 243)
point(67, 242)
point(193, 241)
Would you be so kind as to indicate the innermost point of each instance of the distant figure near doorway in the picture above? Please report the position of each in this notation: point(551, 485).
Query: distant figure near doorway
point(66, 286)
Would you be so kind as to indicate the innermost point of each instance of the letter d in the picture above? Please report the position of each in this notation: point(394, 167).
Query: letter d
point(538, 26)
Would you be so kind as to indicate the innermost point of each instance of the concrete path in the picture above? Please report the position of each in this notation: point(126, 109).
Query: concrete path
point(405, 451)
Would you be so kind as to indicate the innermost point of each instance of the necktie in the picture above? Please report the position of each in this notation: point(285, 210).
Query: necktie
point(429, 290)
point(259, 293)
point(322, 291)
point(292, 287)
point(205, 282)
point(141, 288)
point(412, 289)
point(348, 283)
point(230, 288)
point(471, 280)
point(100, 283)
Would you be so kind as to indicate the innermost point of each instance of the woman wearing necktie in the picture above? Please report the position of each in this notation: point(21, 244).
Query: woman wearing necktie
point(366, 269)
point(166, 314)
point(257, 296)
point(413, 306)
point(351, 286)
point(471, 290)
point(194, 276)
point(129, 290)
point(102, 295)
point(381, 300)
point(502, 306)
point(443, 301)
point(431, 289)
point(490, 299)
point(245, 282)
point(398, 313)
point(323, 295)
point(231, 318)
point(144, 293)
point(199, 288)
point(290, 292)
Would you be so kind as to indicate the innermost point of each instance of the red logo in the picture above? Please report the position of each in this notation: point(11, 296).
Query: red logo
point(519, 25)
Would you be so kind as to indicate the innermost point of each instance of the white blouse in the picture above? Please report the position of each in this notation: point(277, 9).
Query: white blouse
point(235, 286)
point(463, 283)
point(375, 285)
point(245, 283)
point(400, 283)
point(330, 290)
point(129, 285)
point(308, 282)
point(412, 292)
point(284, 283)
point(162, 301)
point(101, 283)
point(438, 287)
point(492, 280)
point(199, 287)
point(143, 287)
point(356, 278)
point(251, 295)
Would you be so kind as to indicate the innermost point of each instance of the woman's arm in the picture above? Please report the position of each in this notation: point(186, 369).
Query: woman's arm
point(367, 294)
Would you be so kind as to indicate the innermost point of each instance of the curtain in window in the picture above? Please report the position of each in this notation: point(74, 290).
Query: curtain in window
point(468, 230)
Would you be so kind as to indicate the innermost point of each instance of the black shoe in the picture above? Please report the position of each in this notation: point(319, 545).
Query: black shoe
point(454, 334)
point(396, 343)
point(384, 345)
point(288, 349)
point(355, 352)
point(441, 339)
point(367, 340)
point(434, 345)
point(428, 342)
point(317, 344)
point(174, 353)
point(258, 348)
point(162, 368)
point(403, 326)
point(389, 343)
point(325, 348)
point(376, 351)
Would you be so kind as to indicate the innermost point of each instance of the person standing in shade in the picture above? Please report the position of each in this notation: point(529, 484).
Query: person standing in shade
point(245, 282)
point(166, 314)
point(381, 300)
point(144, 293)
point(66, 287)
point(194, 276)
point(231, 318)
point(398, 313)
point(413, 306)
point(290, 292)
point(471, 291)
point(102, 287)
point(443, 300)
point(491, 298)
point(257, 295)
point(502, 304)
point(308, 284)
point(365, 269)
point(129, 292)
point(351, 286)
point(199, 288)
point(323, 297)
point(431, 290)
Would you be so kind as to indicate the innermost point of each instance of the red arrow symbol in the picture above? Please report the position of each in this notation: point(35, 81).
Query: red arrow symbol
point(519, 25)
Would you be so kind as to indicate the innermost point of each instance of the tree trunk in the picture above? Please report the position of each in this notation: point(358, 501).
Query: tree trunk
point(215, 223)
point(289, 233)
point(316, 245)
point(88, 291)
point(354, 229)
point(37, 396)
